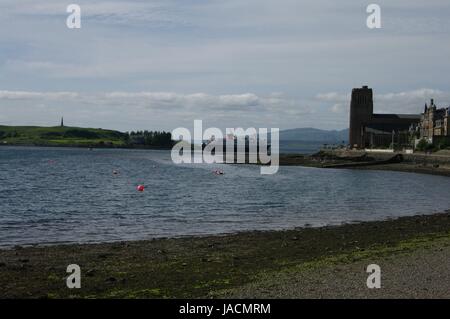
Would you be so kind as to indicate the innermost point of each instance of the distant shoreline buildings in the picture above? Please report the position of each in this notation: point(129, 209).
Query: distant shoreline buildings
point(434, 122)
point(371, 130)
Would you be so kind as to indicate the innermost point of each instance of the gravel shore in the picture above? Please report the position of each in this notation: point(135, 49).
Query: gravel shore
point(421, 271)
point(326, 262)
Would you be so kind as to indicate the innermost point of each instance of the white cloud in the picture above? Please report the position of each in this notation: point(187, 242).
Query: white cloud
point(333, 97)
point(412, 95)
point(394, 102)
point(338, 108)
point(192, 101)
point(26, 95)
point(164, 109)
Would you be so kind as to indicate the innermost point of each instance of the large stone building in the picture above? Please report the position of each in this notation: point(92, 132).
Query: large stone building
point(434, 123)
point(368, 129)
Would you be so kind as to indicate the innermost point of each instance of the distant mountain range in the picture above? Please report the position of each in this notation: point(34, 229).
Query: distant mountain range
point(299, 140)
point(310, 140)
point(309, 134)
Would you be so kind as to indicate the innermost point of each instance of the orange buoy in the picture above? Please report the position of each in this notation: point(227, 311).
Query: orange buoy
point(140, 188)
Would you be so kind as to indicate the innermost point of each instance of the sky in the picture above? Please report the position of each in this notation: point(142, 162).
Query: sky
point(159, 65)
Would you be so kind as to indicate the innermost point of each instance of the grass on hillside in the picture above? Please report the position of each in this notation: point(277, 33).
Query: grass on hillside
point(60, 136)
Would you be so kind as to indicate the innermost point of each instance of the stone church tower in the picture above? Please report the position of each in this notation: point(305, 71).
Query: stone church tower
point(361, 112)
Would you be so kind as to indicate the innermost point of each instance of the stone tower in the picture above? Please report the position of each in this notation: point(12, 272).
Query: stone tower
point(361, 111)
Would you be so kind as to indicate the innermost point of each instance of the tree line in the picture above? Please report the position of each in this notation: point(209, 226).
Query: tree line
point(149, 138)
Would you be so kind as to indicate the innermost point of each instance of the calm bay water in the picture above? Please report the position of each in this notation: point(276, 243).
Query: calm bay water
point(64, 195)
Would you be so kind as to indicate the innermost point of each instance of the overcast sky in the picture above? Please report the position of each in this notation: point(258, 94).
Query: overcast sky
point(232, 63)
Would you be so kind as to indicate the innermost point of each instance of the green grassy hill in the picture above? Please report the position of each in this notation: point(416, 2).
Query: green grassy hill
point(60, 136)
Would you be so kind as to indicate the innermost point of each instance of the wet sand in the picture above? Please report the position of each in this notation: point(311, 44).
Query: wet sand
point(290, 263)
point(411, 168)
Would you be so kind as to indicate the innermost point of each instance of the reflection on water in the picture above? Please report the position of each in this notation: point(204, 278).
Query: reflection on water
point(50, 195)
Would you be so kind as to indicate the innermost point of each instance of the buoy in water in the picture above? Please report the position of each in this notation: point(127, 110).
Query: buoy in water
point(140, 188)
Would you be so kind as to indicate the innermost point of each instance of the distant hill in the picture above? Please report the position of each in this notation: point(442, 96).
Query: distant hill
point(83, 137)
point(310, 140)
point(60, 136)
point(309, 134)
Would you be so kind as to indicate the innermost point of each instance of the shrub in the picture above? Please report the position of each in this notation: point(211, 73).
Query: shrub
point(423, 145)
point(444, 144)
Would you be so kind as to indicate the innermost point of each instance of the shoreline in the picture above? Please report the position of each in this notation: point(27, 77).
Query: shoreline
point(238, 233)
point(210, 266)
point(437, 165)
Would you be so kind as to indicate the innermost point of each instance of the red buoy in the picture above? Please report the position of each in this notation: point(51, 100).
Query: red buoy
point(140, 188)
